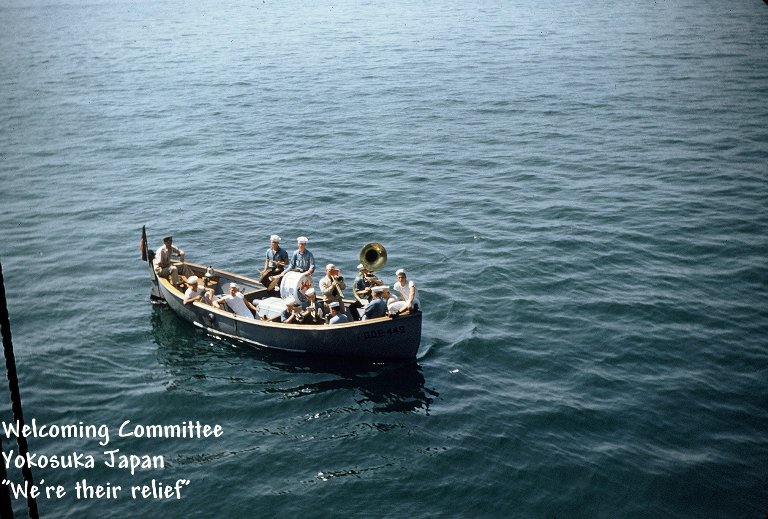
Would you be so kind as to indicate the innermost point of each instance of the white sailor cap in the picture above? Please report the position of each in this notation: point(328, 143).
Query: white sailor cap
point(289, 301)
point(331, 266)
point(335, 304)
point(302, 239)
point(400, 271)
point(192, 280)
point(361, 267)
point(275, 237)
point(233, 285)
point(310, 291)
point(379, 289)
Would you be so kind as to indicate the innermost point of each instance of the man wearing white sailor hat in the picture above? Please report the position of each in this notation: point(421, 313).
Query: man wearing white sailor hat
point(377, 307)
point(302, 260)
point(337, 317)
point(363, 283)
point(274, 265)
point(291, 310)
point(313, 308)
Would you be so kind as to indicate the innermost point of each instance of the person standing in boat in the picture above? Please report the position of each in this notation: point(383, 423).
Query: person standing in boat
point(302, 260)
point(332, 286)
point(163, 266)
point(408, 293)
point(274, 265)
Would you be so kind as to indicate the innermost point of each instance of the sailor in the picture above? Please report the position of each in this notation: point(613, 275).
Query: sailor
point(163, 266)
point(363, 283)
point(197, 293)
point(407, 291)
point(313, 310)
point(336, 316)
point(302, 260)
point(361, 290)
point(236, 302)
point(290, 314)
point(275, 263)
point(377, 307)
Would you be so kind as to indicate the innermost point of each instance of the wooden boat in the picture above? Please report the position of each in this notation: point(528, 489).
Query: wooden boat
point(385, 338)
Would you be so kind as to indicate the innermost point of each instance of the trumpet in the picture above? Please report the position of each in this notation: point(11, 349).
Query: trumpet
point(336, 281)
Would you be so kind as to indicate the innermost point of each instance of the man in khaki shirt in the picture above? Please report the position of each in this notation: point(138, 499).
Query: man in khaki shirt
point(163, 266)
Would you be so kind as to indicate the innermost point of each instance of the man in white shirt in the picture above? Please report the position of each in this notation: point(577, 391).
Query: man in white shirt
point(407, 291)
point(236, 302)
point(196, 293)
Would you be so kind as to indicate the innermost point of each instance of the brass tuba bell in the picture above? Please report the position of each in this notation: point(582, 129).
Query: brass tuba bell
point(373, 256)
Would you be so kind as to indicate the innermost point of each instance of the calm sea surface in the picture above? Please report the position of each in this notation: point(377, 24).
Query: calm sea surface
point(579, 189)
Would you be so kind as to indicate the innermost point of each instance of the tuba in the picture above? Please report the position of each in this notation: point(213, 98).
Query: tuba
point(373, 256)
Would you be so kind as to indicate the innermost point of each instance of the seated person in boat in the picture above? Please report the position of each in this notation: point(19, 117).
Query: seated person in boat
point(336, 316)
point(274, 265)
point(361, 289)
point(162, 262)
point(291, 312)
point(301, 298)
point(363, 283)
point(409, 296)
point(197, 293)
point(313, 311)
point(236, 302)
point(332, 285)
point(302, 260)
point(377, 307)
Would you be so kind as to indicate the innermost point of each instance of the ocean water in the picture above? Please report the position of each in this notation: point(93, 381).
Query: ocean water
point(579, 190)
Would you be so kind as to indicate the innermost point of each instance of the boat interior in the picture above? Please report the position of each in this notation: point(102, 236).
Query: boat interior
point(269, 302)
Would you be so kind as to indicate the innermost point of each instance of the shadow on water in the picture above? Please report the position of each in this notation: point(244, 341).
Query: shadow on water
point(390, 387)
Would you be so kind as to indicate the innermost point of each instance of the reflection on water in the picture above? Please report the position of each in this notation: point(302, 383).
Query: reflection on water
point(191, 354)
point(174, 334)
point(388, 388)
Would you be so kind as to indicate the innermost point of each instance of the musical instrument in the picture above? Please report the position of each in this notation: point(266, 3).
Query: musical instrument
point(311, 314)
point(336, 284)
point(373, 256)
point(293, 282)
